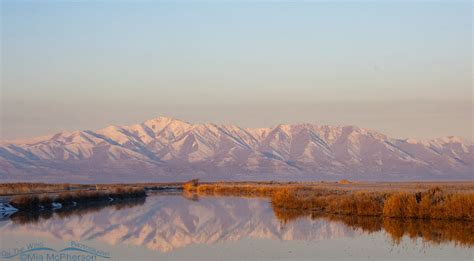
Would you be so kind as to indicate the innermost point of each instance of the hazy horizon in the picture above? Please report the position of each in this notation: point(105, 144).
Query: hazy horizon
point(400, 68)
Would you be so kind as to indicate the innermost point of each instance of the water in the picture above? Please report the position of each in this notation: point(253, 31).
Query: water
point(172, 227)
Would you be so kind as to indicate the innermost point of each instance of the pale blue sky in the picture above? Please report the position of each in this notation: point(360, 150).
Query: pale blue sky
point(400, 67)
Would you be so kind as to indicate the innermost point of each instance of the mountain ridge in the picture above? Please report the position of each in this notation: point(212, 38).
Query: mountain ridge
point(169, 149)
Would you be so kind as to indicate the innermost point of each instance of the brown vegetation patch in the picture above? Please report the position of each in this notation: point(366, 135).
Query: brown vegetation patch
point(429, 203)
point(35, 202)
point(27, 188)
point(29, 217)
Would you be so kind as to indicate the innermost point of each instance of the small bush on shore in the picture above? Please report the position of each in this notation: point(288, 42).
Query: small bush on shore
point(191, 185)
point(400, 205)
point(45, 201)
point(25, 202)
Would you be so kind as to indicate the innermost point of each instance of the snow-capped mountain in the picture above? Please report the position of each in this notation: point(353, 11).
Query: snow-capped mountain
point(169, 149)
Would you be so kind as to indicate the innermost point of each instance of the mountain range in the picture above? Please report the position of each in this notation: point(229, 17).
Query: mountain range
point(167, 149)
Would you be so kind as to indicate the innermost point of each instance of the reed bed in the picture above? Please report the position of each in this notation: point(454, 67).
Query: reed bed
point(430, 203)
point(81, 197)
point(358, 203)
point(10, 189)
point(28, 188)
point(229, 190)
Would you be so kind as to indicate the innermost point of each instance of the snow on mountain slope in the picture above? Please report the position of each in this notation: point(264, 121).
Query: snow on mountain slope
point(170, 149)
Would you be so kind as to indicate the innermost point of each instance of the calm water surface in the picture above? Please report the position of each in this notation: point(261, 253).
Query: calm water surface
point(172, 227)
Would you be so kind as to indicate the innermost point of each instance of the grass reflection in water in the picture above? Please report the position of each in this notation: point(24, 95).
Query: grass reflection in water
point(431, 231)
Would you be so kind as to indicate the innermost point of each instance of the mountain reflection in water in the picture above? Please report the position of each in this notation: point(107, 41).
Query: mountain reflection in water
point(169, 222)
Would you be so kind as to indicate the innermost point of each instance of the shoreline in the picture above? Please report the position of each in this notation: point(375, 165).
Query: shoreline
point(417, 200)
point(458, 231)
point(433, 231)
point(424, 201)
point(69, 199)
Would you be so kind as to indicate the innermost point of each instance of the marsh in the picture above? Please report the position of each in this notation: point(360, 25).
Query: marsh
point(170, 226)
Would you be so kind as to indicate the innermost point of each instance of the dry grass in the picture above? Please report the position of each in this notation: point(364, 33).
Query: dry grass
point(426, 203)
point(35, 202)
point(357, 203)
point(344, 181)
point(191, 185)
point(27, 188)
point(25, 202)
point(430, 204)
point(223, 190)
point(9, 189)
point(243, 189)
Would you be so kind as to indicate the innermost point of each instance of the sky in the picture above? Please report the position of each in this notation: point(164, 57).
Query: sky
point(403, 68)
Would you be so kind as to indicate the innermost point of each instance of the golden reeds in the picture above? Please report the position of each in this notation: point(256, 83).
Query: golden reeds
point(433, 203)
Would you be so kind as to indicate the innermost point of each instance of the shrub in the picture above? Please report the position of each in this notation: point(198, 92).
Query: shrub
point(191, 185)
point(402, 205)
point(27, 202)
point(45, 201)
